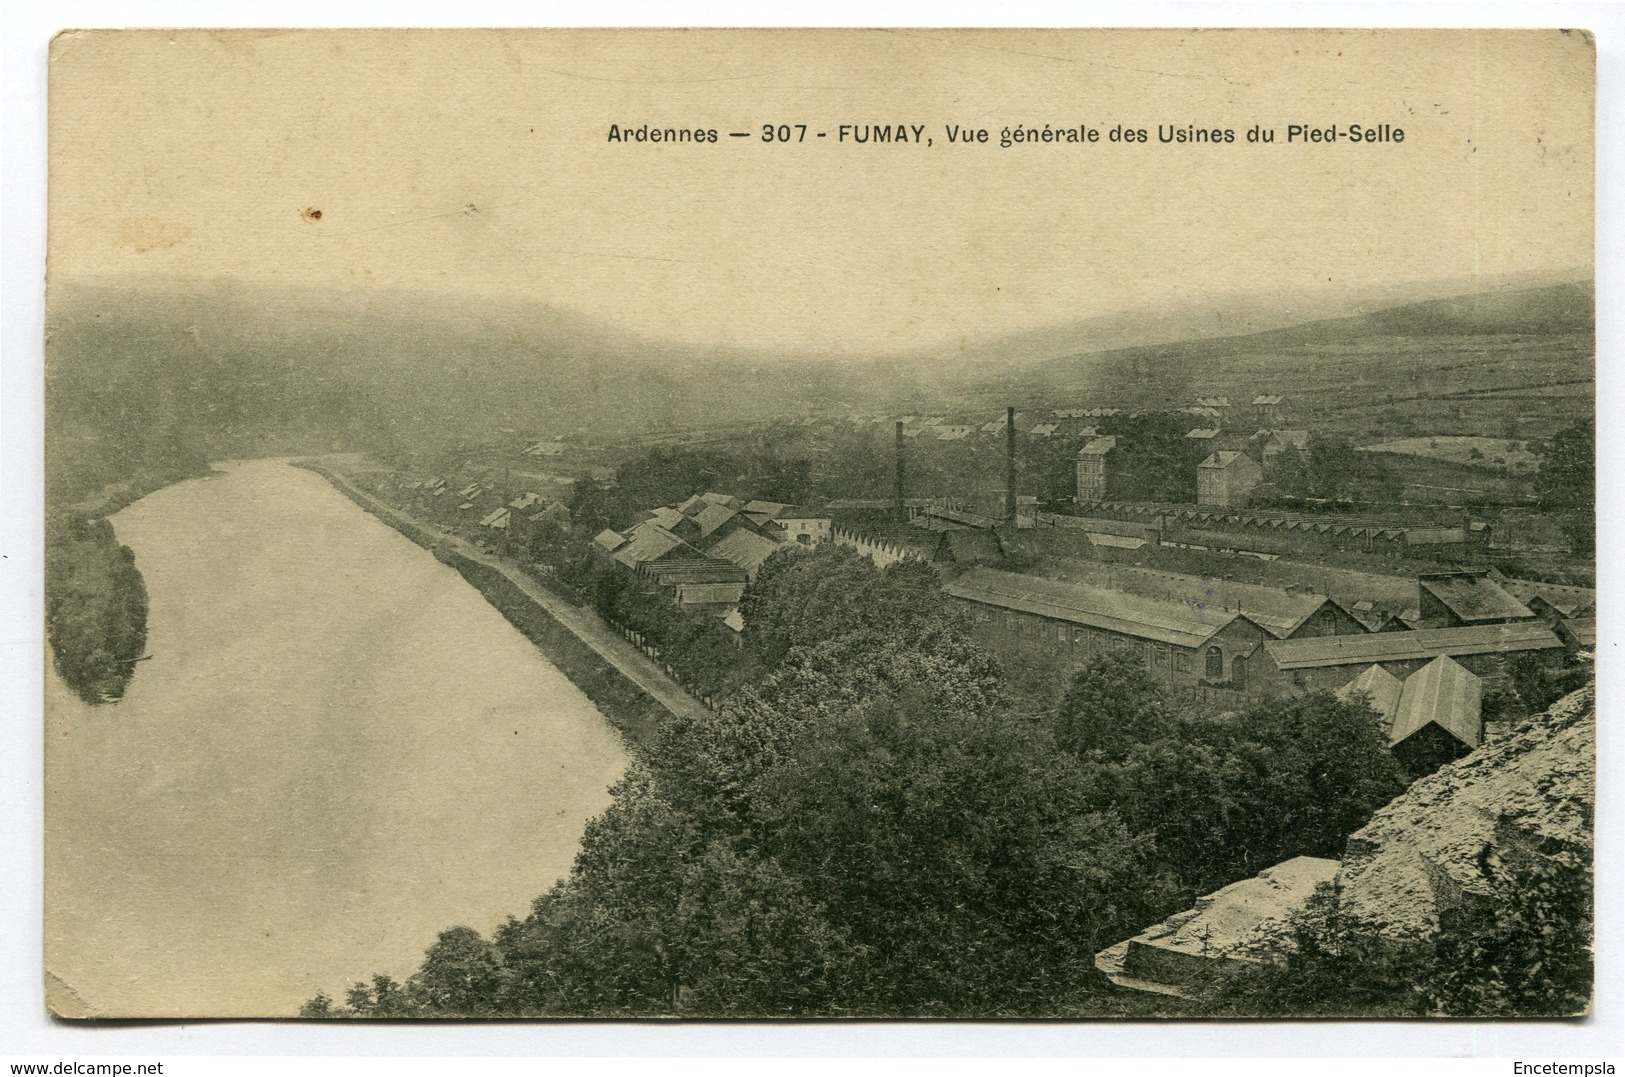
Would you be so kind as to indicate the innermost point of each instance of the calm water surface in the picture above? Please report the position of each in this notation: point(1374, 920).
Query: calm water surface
point(337, 749)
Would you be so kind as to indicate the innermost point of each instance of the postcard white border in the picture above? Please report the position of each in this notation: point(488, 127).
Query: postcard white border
point(25, 1030)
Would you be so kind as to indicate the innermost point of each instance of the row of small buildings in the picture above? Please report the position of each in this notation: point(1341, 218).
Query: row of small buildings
point(484, 507)
point(702, 552)
point(1272, 532)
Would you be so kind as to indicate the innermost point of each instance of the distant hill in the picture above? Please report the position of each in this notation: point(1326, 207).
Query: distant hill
point(1231, 315)
point(1487, 342)
point(167, 371)
point(138, 372)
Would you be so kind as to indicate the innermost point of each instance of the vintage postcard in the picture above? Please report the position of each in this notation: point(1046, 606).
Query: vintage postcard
point(820, 524)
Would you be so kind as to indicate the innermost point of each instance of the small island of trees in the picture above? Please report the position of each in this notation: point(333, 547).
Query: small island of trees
point(95, 608)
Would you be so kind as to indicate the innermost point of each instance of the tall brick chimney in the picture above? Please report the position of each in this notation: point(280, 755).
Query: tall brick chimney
point(1010, 464)
point(899, 512)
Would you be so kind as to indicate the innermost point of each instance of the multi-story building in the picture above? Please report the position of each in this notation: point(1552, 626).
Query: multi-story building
point(789, 523)
point(1093, 460)
point(1226, 479)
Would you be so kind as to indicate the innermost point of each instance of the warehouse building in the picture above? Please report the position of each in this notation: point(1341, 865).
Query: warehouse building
point(1431, 717)
point(1468, 597)
point(1189, 636)
point(1306, 665)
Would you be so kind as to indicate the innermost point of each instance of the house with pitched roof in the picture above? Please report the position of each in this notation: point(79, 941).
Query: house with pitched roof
point(1549, 601)
point(1429, 717)
point(1269, 444)
point(1227, 479)
point(1579, 634)
point(1439, 716)
point(1379, 690)
point(789, 523)
point(746, 549)
point(648, 542)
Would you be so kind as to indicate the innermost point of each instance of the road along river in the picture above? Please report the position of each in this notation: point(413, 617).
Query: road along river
point(336, 750)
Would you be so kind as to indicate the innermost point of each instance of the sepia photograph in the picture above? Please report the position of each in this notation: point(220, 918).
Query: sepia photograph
point(820, 524)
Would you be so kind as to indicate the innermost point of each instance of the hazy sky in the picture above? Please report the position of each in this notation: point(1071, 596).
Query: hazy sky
point(478, 161)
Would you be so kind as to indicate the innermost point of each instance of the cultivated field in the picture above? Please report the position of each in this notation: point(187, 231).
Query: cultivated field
point(1503, 453)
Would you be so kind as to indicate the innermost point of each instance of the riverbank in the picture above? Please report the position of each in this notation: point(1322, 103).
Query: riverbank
point(127, 491)
point(634, 712)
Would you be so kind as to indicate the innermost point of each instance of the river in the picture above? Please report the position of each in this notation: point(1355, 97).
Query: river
point(336, 750)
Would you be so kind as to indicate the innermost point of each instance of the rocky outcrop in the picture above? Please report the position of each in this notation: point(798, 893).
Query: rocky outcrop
point(1528, 794)
point(1245, 921)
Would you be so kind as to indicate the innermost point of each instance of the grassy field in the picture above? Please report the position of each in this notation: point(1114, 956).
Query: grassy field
point(1501, 453)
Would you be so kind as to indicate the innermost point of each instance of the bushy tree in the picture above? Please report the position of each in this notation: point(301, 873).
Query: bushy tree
point(751, 940)
point(1579, 526)
point(1568, 483)
point(660, 917)
point(608, 587)
point(713, 760)
point(1288, 471)
point(894, 853)
point(1109, 704)
point(1154, 460)
point(1526, 952)
point(384, 997)
point(1537, 686)
point(801, 598)
point(95, 607)
point(1568, 467)
point(1330, 469)
point(1333, 467)
point(320, 1005)
point(958, 849)
point(461, 974)
point(1047, 468)
point(1228, 796)
point(597, 942)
